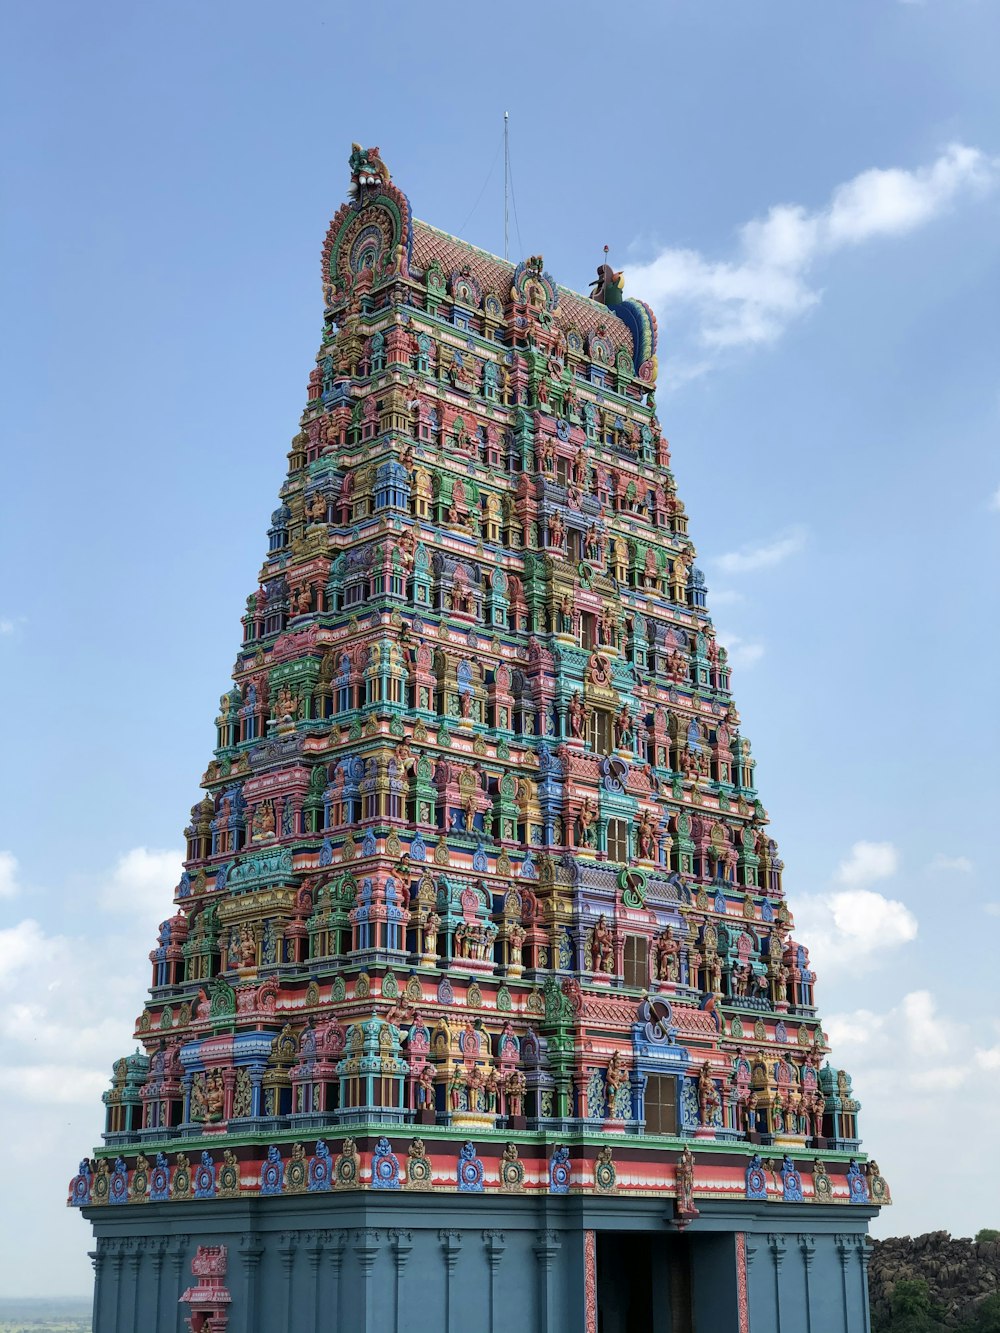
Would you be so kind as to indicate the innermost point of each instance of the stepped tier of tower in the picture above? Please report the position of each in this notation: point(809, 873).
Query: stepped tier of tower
point(480, 893)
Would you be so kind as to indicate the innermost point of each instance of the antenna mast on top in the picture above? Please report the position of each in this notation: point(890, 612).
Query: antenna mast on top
point(506, 178)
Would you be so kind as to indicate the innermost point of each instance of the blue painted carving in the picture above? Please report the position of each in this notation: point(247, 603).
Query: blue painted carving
point(791, 1181)
point(857, 1186)
point(204, 1177)
point(320, 1168)
point(470, 1170)
point(272, 1172)
point(118, 1186)
point(159, 1180)
point(385, 1167)
point(756, 1181)
point(559, 1170)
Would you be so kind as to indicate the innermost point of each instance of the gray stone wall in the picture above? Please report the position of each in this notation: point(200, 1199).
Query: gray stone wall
point(436, 1263)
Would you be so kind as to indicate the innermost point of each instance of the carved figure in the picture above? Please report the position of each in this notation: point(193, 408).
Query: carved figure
point(646, 835)
point(624, 727)
point(615, 1078)
point(577, 715)
point(601, 946)
point(668, 952)
point(708, 1095)
point(586, 819)
point(514, 1086)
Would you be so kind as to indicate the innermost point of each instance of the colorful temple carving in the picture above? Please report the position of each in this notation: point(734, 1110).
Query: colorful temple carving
point(480, 898)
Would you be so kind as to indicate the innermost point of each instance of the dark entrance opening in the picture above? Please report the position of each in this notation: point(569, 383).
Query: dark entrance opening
point(643, 1283)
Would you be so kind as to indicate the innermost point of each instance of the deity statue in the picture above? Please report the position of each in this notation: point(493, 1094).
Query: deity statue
point(649, 569)
point(586, 818)
point(432, 924)
point(263, 821)
point(708, 1095)
point(577, 716)
point(749, 1114)
point(491, 1090)
point(624, 727)
point(248, 946)
point(465, 704)
point(646, 831)
point(557, 530)
point(601, 946)
point(615, 1078)
point(685, 1181)
point(475, 1081)
point(566, 614)
point(515, 943)
point(455, 1086)
point(818, 1110)
point(514, 1087)
point(668, 952)
point(425, 1087)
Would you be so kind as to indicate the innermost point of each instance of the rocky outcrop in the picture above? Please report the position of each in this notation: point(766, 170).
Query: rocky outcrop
point(959, 1273)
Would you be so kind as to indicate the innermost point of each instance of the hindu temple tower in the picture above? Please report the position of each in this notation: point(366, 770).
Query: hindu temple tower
point(480, 1006)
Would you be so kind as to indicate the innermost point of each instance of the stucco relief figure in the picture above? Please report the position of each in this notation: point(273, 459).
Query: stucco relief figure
point(431, 926)
point(425, 1087)
point(646, 832)
point(624, 727)
point(601, 946)
point(514, 1086)
point(708, 1095)
point(586, 819)
point(456, 1085)
point(615, 1078)
point(668, 951)
point(577, 715)
point(685, 1181)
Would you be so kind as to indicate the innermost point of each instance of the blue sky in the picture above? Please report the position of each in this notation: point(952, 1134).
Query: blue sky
point(808, 194)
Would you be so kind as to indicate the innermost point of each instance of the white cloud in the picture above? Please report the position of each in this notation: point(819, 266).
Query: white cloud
point(993, 909)
point(915, 1066)
point(8, 875)
point(727, 597)
point(868, 862)
point(948, 865)
point(143, 883)
point(762, 555)
point(995, 500)
point(851, 929)
point(751, 299)
point(742, 653)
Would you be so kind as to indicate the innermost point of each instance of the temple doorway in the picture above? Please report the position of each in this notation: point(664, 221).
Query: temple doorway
point(643, 1283)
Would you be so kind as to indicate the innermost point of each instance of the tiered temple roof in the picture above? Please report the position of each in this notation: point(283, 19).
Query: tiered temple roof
point(480, 894)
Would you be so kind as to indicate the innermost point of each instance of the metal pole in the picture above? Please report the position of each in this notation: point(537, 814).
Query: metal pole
point(506, 175)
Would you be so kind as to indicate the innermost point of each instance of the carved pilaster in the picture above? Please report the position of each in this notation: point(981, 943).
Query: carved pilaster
point(547, 1246)
point(402, 1244)
point(451, 1245)
point(807, 1245)
point(494, 1244)
point(251, 1251)
point(776, 1244)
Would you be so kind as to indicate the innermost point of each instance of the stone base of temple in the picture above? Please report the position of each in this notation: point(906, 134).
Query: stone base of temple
point(393, 1262)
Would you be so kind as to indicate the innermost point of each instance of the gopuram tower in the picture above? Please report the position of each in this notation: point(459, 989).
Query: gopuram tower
point(480, 1007)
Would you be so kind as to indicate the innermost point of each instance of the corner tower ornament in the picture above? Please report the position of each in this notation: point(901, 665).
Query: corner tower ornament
point(479, 897)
